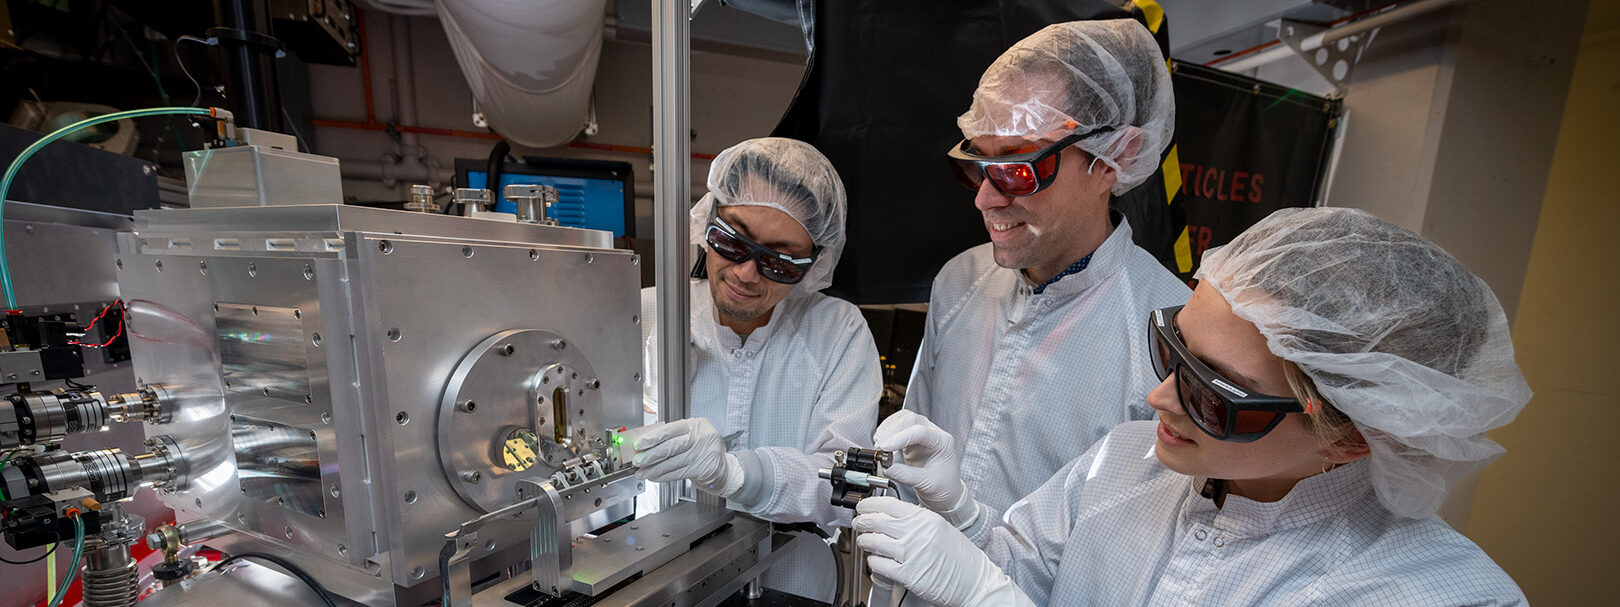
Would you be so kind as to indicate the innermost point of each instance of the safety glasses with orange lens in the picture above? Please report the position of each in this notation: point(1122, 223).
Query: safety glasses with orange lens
point(1014, 174)
point(1216, 405)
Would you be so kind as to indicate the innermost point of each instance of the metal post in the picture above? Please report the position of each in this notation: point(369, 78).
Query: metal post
point(672, 182)
point(250, 59)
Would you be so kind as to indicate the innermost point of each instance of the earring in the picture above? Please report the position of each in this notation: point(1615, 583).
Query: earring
point(1328, 466)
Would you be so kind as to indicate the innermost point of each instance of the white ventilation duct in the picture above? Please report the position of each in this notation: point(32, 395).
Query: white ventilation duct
point(530, 63)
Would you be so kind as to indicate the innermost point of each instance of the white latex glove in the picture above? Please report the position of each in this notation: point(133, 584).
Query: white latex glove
point(918, 549)
point(689, 449)
point(931, 465)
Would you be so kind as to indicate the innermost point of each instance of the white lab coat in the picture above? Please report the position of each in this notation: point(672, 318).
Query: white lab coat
point(1115, 527)
point(802, 386)
point(1026, 382)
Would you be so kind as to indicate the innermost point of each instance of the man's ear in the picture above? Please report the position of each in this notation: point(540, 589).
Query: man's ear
point(1130, 145)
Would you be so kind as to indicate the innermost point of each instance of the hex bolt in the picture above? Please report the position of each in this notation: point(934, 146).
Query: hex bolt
point(559, 344)
point(467, 406)
point(473, 476)
point(506, 349)
point(594, 384)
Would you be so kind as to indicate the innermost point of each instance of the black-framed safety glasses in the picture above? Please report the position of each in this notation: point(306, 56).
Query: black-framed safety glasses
point(772, 264)
point(1216, 404)
point(1015, 174)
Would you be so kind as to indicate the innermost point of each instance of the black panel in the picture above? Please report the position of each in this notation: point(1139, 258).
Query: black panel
point(68, 174)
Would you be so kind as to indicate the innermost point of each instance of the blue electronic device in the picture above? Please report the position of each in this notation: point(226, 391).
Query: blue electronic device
point(599, 195)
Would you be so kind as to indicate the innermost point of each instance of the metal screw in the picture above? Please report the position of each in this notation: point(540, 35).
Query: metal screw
point(594, 383)
point(472, 477)
point(559, 344)
point(467, 406)
point(506, 349)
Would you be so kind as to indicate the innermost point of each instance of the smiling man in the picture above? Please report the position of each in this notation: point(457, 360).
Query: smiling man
point(781, 375)
point(1034, 342)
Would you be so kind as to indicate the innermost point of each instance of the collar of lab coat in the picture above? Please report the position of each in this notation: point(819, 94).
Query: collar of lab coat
point(707, 330)
point(1315, 498)
point(1107, 260)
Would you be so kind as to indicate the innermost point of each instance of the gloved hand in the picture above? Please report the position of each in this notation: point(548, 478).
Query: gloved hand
point(689, 449)
point(932, 468)
point(918, 549)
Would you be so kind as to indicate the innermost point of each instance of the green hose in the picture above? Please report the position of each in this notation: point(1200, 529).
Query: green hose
point(73, 567)
point(11, 171)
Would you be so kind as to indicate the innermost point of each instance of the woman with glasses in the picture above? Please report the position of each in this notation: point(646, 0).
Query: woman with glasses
point(1330, 378)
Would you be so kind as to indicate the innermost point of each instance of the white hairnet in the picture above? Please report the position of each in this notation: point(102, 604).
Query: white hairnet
point(1080, 76)
point(788, 175)
point(1395, 333)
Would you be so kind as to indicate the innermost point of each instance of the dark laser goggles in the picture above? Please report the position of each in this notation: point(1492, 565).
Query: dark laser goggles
point(1013, 174)
point(1216, 405)
point(772, 264)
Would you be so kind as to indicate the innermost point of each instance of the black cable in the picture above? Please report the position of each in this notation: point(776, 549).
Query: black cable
point(48, 552)
point(326, 596)
point(839, 599)
point(182, 62)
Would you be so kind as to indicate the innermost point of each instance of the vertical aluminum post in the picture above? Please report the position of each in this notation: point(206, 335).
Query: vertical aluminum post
point(672, 182)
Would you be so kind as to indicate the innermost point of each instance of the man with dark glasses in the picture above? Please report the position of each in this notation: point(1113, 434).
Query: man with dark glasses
point(1034, 343)
point(782, 375)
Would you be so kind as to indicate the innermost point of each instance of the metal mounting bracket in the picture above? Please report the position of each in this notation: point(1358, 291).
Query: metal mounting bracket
point(1334, 60)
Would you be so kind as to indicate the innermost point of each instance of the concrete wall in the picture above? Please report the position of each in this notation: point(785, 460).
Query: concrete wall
point(1545, 510)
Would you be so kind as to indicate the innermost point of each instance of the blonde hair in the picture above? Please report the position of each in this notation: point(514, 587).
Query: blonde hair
point(1329, 424)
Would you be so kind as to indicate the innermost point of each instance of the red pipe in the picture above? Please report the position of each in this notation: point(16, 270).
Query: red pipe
point(365, 67)
point(371, 123)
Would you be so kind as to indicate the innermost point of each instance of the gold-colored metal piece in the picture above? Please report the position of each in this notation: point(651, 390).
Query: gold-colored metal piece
point(518, 449)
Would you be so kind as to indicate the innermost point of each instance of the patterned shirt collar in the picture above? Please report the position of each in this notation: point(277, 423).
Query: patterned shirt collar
point(1074, 268)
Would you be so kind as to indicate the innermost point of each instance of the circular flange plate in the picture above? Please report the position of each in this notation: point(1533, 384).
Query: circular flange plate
point(517, 406)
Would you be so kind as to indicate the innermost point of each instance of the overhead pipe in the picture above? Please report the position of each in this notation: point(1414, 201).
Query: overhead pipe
point(531, 64)
point(1275, 50)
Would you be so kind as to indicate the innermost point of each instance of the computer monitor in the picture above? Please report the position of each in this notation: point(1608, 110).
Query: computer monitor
point(594, 194)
